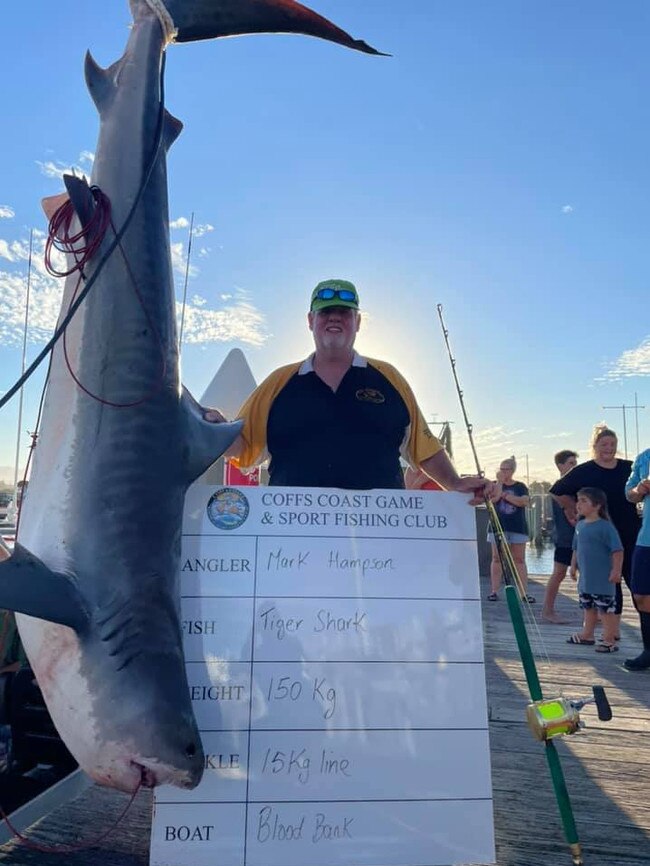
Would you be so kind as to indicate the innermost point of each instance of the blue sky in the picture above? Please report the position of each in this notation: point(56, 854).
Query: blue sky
point(497, 164)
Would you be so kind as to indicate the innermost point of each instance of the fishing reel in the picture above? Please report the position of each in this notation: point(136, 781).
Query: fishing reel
point(555, 717)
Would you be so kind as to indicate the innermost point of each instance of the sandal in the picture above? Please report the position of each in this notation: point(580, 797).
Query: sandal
point(607, 648)
point(576, 639)
point(493, 597)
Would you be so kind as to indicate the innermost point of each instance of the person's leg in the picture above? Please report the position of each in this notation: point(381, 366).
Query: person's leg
point(591, 618)
point(610, 626)
point(553, 587)
point(640, 587)
point(495, 570)
point(618, 604)
point(519, 557)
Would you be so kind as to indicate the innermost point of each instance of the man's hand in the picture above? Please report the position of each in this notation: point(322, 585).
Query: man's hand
point(214, 415)
point(615, 577)
point(480, 487)
point(573, 571)
point(571, 515)
point(643, 488)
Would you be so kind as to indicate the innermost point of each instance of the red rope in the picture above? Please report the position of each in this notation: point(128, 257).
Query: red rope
point(69, 849)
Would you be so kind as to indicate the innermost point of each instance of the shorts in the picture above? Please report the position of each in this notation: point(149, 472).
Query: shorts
point(510, 537)
point(563, 555)
point(640, 582)
point(602, 603)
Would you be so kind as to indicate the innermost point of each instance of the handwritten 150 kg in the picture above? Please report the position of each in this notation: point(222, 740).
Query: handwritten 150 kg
point(287, 689)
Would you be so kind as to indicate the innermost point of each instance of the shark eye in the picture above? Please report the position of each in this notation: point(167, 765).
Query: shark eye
point(190, 751)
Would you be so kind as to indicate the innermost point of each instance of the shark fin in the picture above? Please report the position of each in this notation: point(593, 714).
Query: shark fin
point(209, 19)
point(52, 203)
point(28, 586)
point(81, 198)
point(172, 129)
point(100, 82)
point(205, 441)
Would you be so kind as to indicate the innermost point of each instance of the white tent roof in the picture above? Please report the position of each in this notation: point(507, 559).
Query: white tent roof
point(232, 384)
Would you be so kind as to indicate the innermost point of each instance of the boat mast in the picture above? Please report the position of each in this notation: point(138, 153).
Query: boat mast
point(22, 368)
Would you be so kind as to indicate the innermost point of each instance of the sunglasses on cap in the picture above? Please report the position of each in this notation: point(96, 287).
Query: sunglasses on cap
point(329, 294)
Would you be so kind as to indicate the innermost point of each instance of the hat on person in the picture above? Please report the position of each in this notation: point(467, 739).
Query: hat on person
point(334, 293)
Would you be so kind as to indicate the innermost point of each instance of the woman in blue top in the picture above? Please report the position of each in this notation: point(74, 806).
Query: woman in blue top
point(637, 490)
point(598, 556)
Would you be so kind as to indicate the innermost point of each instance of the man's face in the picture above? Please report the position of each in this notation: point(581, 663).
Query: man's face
point(334, 327)
point(568, 464)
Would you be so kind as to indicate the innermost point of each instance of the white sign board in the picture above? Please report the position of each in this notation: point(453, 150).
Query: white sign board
point(335, 658)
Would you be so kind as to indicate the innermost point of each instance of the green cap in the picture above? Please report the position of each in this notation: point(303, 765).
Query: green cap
point(336, 287)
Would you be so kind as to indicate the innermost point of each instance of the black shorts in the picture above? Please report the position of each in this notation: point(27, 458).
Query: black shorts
point(640, 582)
point(563, 555)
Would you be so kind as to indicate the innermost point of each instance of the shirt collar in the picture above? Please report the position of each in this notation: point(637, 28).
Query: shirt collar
point(307, 365)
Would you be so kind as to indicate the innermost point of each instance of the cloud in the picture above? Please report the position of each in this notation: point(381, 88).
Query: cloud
point(567, 208)
point(235, 319)
point(6, 212)
point(240, 321)
point(492, 445)
point(201, 230)
point(180, 223)
point(632, 362)
point(58, 169)
point(179, 260)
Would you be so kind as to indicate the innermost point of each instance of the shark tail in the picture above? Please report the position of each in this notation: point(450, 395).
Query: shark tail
point(193, 20)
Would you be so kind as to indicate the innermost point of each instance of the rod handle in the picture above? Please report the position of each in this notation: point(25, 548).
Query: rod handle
point(602, 704)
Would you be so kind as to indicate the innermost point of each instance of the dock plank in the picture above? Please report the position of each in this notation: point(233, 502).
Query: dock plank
point(606, 765)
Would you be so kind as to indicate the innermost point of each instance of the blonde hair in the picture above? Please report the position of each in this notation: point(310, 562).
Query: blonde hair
point(599, 432)
point(512, 461)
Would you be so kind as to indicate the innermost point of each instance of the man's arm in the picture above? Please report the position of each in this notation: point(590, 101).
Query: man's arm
point(568, 505)
point(441, 469)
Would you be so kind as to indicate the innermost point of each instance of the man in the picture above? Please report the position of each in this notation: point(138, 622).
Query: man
point(338, 419)
point(563, 538)
point(636, 490)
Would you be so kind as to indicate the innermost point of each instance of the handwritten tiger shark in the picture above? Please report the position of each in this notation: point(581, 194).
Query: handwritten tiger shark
point(94, 574)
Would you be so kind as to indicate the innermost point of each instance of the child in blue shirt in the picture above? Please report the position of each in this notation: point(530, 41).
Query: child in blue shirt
point(598, 556)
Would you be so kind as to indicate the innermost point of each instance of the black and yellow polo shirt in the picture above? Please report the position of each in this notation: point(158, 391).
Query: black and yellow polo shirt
point(351, 438)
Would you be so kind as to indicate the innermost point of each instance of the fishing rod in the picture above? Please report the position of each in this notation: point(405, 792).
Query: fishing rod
point(546, 718)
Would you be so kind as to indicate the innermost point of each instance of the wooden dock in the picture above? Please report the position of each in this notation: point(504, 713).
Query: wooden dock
point(607, 766)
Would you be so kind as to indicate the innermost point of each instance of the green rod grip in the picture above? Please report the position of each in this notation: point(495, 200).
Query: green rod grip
point(561, 794)
point(521, 635)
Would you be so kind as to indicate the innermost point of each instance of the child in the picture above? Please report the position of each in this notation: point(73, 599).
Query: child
point(598, 556)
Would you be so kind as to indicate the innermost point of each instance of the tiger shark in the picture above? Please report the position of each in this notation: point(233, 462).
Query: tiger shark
point(94, 573)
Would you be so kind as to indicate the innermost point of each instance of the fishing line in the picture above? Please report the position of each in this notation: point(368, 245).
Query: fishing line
point(504, 552)
point(60, 329)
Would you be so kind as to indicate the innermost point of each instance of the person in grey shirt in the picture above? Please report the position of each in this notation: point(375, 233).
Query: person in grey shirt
point(598, 556)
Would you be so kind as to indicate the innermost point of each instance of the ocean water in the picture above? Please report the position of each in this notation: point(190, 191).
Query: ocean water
point(539, 559)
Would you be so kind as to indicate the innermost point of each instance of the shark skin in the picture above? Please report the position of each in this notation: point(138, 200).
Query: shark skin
point(94, 577)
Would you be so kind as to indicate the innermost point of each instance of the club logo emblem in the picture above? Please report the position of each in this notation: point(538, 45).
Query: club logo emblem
point(228, 508)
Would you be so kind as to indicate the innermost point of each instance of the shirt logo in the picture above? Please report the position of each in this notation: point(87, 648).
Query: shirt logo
point(370, 395)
